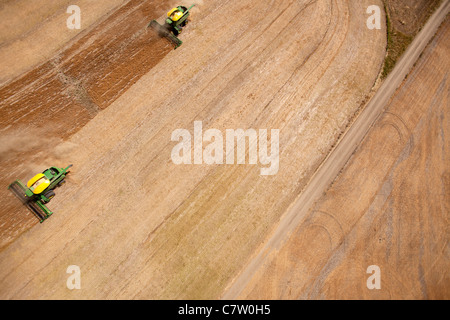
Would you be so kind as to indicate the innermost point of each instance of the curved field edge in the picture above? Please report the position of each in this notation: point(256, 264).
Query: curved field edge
point(196, 226)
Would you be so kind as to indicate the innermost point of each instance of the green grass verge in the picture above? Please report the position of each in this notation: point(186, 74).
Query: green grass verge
point(397, 43)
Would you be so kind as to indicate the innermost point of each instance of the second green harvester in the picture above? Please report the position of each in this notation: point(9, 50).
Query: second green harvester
point(177, 19)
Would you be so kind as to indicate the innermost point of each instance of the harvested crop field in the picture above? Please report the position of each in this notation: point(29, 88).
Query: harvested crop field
point(110, 98)
point(389, 207)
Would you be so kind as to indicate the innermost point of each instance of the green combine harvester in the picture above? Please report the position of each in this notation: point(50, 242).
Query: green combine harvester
point(40, 190)
point(177, 19)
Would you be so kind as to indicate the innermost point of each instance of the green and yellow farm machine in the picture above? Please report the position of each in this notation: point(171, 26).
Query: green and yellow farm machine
point(177, 19)
point(40, 190)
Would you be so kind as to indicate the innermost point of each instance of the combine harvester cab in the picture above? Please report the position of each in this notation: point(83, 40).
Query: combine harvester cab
point(177, 19)
point(40, 190)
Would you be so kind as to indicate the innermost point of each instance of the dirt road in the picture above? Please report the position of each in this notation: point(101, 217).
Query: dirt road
point(389, 206)
point(141, 227)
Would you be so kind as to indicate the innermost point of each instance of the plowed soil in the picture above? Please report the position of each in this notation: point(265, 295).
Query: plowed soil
point(31, 32)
